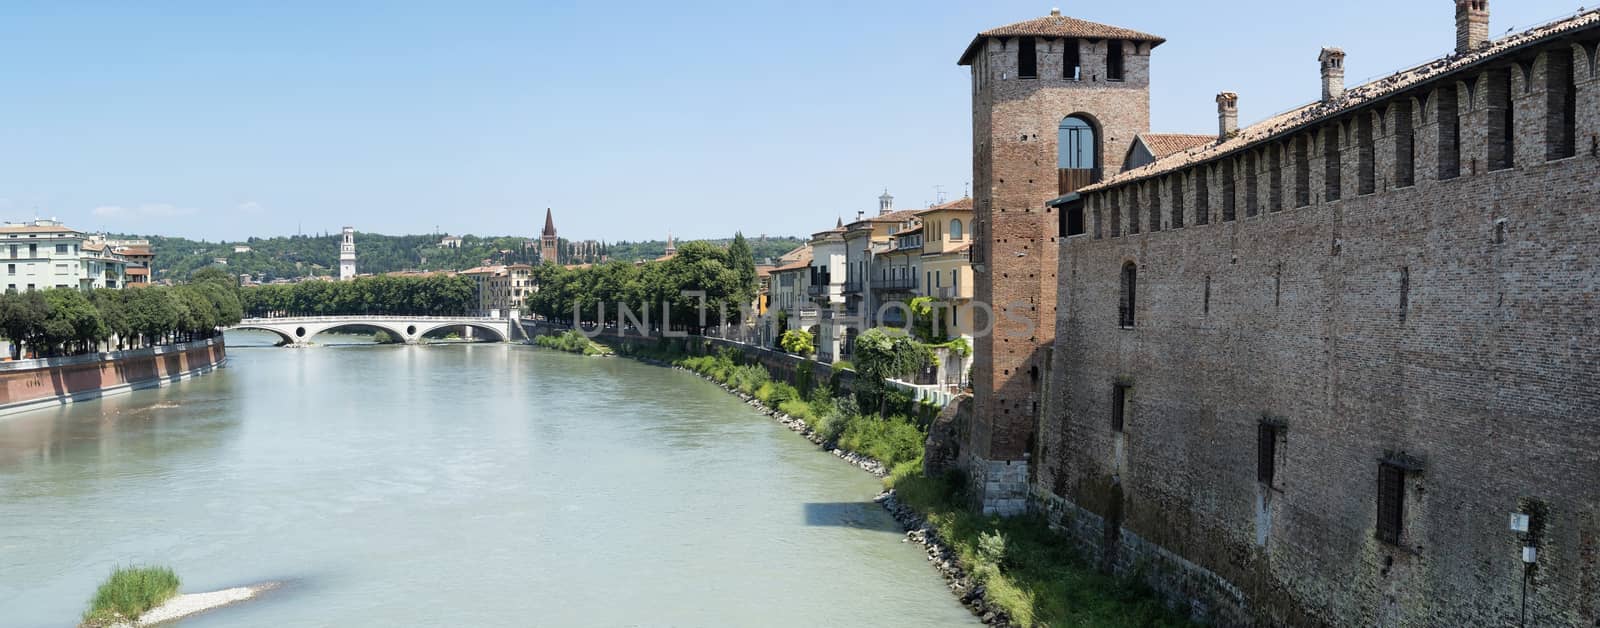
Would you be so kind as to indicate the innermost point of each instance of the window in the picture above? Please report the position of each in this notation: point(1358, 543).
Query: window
point(61, 268)
point(1330, 160)
point(11, 269)
point(1405, 145)
point(955, 229)
point(1130, 289)
point(1561, 99)
point(1071, 66)
point(1205, 303)
point(13, 251)
point(1027, 58)
point(1391, 502)
point(1114, 60)
point(1119, 407)
point(1202, 197)
point(1502, 121)
point(1449, 135)
point(1366, 166)
point(33, 250)
point(1078, 154)
point(1267, 452)
point(61, 249)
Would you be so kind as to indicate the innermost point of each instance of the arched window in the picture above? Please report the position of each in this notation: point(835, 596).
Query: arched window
point(1130, 288)
point(1078, 154)
point(955, 229)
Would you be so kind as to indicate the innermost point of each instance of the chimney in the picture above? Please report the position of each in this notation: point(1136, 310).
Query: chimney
point(1332, 74)
point(1472, 25)
point(1227, 115)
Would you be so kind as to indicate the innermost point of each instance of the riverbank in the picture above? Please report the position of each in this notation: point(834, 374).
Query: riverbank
point(47, 382)
point(1007, 572)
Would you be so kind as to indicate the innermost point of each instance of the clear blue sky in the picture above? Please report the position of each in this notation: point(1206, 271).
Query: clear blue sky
point(222, 120)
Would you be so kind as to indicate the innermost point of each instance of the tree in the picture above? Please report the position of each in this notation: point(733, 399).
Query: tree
point(22, 317)
point(112, 304)
point(798, 341)
point(71, 323)
point(152, 315)
point(743, 262)
point(881, 355)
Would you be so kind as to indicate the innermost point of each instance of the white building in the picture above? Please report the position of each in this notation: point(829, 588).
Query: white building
point(46, 254)
point(347, 255)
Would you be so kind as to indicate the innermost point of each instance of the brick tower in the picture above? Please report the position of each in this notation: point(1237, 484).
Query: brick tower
point(1056, 104)
point(547, 240)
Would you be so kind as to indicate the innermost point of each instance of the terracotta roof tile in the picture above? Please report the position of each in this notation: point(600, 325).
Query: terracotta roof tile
point(964, 203)
point(1056, 25)
point(1306, 116)
point(1163, 144)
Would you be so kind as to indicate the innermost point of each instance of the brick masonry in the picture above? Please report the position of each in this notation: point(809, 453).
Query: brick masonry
point(31, 384)
point(1015, 127)
point(1449, 323)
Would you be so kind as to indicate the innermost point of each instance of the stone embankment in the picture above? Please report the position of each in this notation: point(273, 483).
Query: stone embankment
point(918, 530)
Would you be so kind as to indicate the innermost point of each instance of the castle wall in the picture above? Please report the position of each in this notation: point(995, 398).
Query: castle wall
point(1451, 323)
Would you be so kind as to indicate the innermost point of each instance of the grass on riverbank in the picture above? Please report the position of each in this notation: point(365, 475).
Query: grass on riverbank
point(1026, 568)
point(838, 420)
point(129, 593)
point(573, 341)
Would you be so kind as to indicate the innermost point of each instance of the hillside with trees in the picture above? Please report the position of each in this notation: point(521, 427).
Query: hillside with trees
point(318, 255)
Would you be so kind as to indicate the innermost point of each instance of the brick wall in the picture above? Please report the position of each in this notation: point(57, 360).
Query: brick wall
point(1486, 378)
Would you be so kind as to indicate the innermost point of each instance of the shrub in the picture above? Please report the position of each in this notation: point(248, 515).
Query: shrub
point(797, 409)
point(891, 441)
point(129, 593)
point(797, 341)
point(781, 393)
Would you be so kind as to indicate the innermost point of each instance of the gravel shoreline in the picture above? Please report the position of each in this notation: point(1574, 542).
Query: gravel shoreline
point(918, 530)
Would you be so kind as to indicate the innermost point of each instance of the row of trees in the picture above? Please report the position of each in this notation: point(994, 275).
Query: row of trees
point(434, 295)
point(726, 276)
point(66, 321)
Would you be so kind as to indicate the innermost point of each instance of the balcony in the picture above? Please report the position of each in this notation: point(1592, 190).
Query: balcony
point(948, 292)
point(904, 284)
point(852, 285)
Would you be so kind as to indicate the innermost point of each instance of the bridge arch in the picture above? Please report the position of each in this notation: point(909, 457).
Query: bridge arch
point(399, 335)
point(285, 337)
point(498, 335)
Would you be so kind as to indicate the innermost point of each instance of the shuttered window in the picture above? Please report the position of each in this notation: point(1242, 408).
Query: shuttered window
point(1391, 502)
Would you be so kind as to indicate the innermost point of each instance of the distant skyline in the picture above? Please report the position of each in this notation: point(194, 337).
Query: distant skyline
point(222, 121)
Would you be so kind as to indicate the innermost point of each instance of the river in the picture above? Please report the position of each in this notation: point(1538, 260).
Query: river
point(460, 485)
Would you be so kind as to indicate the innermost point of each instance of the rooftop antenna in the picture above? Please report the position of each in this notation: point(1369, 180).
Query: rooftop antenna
point(966, 190)
point(938, 194)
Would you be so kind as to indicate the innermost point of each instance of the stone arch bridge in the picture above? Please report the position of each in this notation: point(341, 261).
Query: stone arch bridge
point(298, 330)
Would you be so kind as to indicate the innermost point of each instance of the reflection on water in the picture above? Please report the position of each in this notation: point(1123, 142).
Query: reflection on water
point(451, 485)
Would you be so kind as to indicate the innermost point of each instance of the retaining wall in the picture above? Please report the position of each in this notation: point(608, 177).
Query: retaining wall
point(32, 384)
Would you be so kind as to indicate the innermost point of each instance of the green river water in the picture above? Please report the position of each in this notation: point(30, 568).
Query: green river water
point(459, 485)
